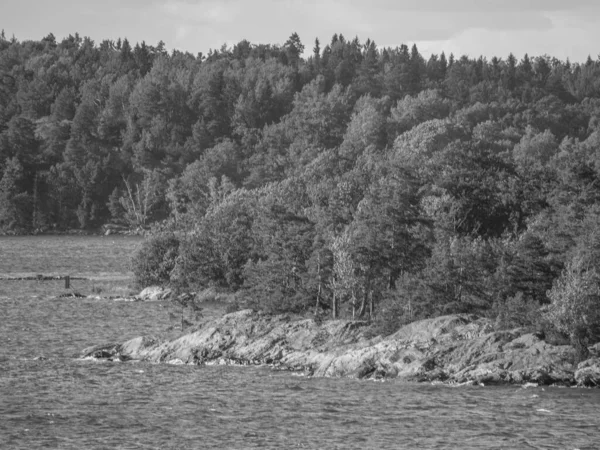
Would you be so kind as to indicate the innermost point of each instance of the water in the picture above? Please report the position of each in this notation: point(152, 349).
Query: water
point(65, 403)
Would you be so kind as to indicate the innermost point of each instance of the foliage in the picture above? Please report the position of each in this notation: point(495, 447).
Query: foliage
point(139, 200)
point(575, 301)
point(517, 311)
point(216, 250)
point(359, 181)
point(278, 274)
point(15, 203)
point(155, 261)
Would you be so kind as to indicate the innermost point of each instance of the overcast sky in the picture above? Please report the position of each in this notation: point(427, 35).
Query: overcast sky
point(475, 27)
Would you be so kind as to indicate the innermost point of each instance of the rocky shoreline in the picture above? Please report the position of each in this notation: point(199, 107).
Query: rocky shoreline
point(457, 349)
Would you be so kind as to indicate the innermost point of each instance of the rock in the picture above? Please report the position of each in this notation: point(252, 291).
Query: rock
point(136, 345)
point(113, 228)
point(154, 293)
point(71, 295)
point(103, 351)
point(588, 373)
point(457, 349)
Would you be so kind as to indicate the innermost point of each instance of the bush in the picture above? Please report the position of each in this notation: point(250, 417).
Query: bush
point(153, 263)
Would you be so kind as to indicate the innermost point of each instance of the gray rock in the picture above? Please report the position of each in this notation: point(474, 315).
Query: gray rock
point(588, 373)
point(103, 351)
point(154, 294)
point(459, 349)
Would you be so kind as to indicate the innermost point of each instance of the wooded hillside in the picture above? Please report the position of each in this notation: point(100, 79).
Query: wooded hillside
point(368, 175)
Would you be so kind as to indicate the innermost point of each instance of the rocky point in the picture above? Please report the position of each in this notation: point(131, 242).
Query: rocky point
point(452, 349)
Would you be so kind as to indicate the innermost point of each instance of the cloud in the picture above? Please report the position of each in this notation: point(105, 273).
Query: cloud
point(485, 6)
point(476, 27)
point(563, 40)
point(460, 26)
point(206, 12)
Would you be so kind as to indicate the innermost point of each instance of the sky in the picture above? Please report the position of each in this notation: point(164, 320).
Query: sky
point(564, 29)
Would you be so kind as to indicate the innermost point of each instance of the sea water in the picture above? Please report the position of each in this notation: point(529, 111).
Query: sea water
point(51, 399)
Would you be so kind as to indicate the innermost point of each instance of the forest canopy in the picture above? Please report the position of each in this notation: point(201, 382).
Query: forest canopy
point(362, 180)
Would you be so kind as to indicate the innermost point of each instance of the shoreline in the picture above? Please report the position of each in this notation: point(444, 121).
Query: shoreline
point(457, 349)
point(104, 230)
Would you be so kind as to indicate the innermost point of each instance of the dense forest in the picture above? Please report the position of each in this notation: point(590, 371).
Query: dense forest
point(360, 181)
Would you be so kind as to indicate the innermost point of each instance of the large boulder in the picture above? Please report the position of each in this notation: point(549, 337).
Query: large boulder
point(154, 294)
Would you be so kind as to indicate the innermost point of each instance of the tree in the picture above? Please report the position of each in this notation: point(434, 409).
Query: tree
point(209, 102)
point(216, 250)
point(318, 117)
point(63, 107)
point(396, 77)
point(156, 260)
point(416, 71)
point(458, 277)
point(189, 194)
point(365, 129)
point(140, 199)
point(343, 280)
point(369, 78)
point(412, 111)
point(294, 49)
point(15, 203)
point(266, 91)
point(575, 304)
point(535, 149)
point(277, 276)
point(510, 72)
point(526, 266)
point(21, 141)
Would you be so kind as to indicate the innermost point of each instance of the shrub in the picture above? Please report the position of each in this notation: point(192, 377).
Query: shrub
point(153, 263)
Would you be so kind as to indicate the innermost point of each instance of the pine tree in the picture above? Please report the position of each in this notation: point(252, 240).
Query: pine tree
point(15, 202)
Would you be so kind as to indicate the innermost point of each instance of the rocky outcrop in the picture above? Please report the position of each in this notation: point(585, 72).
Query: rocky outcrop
point(149, 294)
point(453, 349)
point(154, 294)
point(588, 373)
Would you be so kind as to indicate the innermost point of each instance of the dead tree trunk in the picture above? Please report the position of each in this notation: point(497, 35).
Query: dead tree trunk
point(318, 288)
point(334, 307)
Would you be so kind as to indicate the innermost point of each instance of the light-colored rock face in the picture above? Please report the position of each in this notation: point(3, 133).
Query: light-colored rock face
point(154, 294)
point(457, 348)
point(588, 373)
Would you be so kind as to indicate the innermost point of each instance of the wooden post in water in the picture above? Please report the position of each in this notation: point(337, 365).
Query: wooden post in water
point(67, 282)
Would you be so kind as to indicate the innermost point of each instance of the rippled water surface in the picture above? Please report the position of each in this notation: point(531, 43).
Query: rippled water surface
point(58, 401)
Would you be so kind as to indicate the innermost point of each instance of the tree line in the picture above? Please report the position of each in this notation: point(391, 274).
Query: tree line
point(360, 180)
